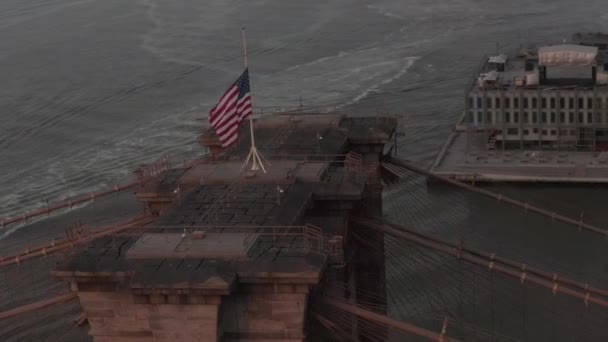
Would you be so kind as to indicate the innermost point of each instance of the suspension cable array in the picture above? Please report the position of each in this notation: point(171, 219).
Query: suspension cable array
point(398, 167)
point(68, 204)
point(61, 299)
point(42, 251)
point(487, 260)
point(389, 322)
point(493, 263)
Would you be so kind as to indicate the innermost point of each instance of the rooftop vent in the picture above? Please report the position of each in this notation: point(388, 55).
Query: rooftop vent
point(567, 55)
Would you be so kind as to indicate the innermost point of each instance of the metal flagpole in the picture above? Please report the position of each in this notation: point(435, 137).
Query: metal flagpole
point(254, 155)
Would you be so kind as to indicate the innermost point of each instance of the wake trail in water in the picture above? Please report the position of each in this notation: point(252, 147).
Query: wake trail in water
point(97, 168)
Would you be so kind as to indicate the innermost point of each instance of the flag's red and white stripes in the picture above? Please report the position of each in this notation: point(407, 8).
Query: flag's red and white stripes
point(232, 108)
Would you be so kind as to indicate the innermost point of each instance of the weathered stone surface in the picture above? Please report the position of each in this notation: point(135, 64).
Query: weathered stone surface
point(261, 293)
point(117, 317)
point(271, 313)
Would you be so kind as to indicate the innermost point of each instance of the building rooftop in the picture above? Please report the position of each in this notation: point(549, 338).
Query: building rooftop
point(583, 62)
point(221, 223)
point(240, 204)
point(567, 55)
point(199, 244)
point(597, 39)
point(210, 237)
point(112, 259)
point(306, 134)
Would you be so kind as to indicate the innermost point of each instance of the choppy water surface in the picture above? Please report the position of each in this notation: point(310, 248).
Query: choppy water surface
point(91, 89)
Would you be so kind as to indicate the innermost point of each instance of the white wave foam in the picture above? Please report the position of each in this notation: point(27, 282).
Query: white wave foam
point(95, 168)
point(152, 41)
point(340, 79)
point(25, 15)
point(341, 54)
point(383, 11)
point(409, 61)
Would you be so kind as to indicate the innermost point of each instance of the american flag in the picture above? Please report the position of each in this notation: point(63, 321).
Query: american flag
point(230, 111)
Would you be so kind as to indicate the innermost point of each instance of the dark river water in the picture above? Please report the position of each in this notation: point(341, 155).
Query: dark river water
point(91, 89)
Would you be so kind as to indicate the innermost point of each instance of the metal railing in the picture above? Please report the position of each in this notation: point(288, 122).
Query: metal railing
point(165, 163)
point(307, 237)
point(308, 110)
point(351, 161)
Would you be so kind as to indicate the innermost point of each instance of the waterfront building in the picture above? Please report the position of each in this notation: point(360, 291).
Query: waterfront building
point(550, 98)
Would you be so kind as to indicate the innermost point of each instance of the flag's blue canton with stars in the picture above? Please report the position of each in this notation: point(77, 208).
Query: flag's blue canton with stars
point(243, 84)
point(230, 111)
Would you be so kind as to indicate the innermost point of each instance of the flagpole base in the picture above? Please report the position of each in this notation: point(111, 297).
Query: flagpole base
point(256, 160)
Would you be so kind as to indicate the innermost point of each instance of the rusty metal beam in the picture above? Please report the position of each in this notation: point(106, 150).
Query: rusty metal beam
point(554, 283)
point(65, 205)
point(389, 322)
point(64, 298)
point(166, 162)
point(65, 244)
point(398, 163)
point(331, 327)
point(525, 269)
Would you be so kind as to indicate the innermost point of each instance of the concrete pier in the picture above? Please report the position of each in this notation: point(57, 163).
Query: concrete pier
point(234, 255)
point(472, 162)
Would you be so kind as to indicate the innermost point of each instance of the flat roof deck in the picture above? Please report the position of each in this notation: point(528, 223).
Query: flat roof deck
point(107, 258)
point(196, 245)
point(306, 134)
point(247, 224)
point(278, 171)
point(475, 163)
point(251, 231)
point(240, 204)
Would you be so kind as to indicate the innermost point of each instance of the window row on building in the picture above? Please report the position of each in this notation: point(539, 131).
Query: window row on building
point(531, 118)
point(533, 101)
point(535, 132)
